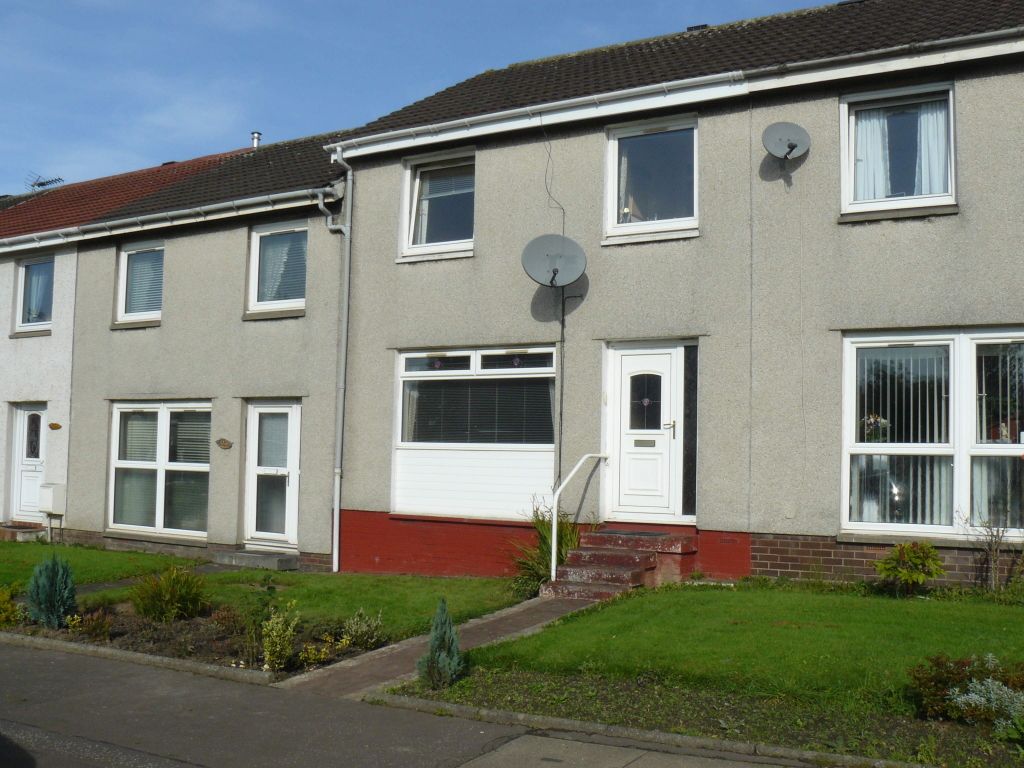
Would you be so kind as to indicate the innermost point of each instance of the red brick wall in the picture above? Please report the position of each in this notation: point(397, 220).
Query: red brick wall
point(822, 557)
point(378, 542)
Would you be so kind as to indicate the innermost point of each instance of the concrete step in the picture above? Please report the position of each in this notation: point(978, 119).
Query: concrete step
point(579, 591)
point(605, 574)
point(611, 556)
point(639, 540)
point(271, 561)
point(22, 532)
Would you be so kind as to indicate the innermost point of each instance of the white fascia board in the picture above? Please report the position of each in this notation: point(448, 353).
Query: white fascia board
point(215, 211)
point(687, 92)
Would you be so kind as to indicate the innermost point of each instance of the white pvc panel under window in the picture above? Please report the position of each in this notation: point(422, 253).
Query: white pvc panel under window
point(144, 282)
point(282, 267)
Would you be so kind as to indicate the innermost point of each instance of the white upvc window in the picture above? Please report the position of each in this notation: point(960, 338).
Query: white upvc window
point(277, 266)
point(438, 206)
point(140, 281)
point(898, 149)
point(934, 432)
point(160, 467)
point(651, 180)
point(485, 397)
point(34, 294)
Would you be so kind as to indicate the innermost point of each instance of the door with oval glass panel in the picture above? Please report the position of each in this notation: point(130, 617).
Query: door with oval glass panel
point(29, 468)
point(650, 431)
point(272, 475)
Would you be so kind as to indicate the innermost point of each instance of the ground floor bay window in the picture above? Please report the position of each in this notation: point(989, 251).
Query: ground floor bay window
point(475, 432)
point(160, 467)
point(934, 432)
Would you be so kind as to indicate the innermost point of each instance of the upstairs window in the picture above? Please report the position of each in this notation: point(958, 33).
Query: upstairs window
point(35, 294)
point(899, 149)
point(141, 281)
point(440, 199)
point(277, 267)
point(651, 179)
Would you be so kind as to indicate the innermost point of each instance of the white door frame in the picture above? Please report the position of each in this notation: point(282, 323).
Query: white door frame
point(20, 463)
point(611, 432)
point(262, 539)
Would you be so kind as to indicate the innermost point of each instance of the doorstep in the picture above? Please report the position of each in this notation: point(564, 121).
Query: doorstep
point(271, 561)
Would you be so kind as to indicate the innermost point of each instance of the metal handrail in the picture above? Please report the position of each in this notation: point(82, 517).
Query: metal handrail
point(554, 507)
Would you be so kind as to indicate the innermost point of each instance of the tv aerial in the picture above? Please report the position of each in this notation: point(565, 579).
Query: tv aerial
point(554, 260)
point(786, 141)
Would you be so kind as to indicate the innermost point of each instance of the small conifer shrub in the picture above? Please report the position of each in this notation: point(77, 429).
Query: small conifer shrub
point(443, 664)
point(51, 593)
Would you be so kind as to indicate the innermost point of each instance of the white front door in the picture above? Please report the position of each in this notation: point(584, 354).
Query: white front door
point(29, 450)
point(646, 430)
point(272, 475)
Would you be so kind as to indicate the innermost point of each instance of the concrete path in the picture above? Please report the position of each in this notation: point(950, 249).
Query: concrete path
point(354, 677)
point(69, 711)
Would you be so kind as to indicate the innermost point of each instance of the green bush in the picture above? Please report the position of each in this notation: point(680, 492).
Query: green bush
point(909, 565)
point(533, 563)
point(364, 631)
point(12, 613)
point(177, 593)
point(51, 593)
point(443, 664)
point(279, 637)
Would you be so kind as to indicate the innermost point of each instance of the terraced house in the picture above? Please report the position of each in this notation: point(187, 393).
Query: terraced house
point(788, 362)
point(797, 339)
point(204, 331)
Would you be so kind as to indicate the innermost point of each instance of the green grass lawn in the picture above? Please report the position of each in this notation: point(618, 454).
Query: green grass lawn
point(406, 603)
point(799, 644)
point(17, 559)
point(819, 670)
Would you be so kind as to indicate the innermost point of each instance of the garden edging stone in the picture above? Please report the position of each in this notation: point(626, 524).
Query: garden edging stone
point(253, 676)
point(544, 722)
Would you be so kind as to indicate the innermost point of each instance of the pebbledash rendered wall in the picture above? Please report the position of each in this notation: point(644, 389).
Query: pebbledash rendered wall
point(203, 349)
point(36, 368)
point(767, 289)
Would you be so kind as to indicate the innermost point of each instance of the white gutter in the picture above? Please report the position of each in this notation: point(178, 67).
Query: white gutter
point(693, 90)
point(342, 366)
point(249, 205)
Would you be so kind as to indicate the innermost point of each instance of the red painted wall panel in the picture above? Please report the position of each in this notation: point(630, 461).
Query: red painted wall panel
point(378, 542)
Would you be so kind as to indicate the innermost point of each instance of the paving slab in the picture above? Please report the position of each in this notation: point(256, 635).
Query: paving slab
point(353, 677)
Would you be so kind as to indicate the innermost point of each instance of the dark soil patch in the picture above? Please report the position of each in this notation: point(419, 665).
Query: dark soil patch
point(201, 639)
point(655, 703)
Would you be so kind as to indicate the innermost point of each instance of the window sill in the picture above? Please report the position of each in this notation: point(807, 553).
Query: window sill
point(273, 314)
point(198, 540)
point(959, 540)
point(30, 334)
point(128, 325)
point(899, 213)
point(650, 237)
point(434, 256)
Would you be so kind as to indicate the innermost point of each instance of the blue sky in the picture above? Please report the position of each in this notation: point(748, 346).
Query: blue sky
point(96, 87)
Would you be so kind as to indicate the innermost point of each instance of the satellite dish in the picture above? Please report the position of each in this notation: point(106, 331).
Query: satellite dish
point(786, 141)
point(554, 260)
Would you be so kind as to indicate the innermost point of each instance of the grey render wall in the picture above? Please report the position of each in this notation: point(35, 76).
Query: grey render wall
point(204, 350)
point(38, 368)
point(768, 288)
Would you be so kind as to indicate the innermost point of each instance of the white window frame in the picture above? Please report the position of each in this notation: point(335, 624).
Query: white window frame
point(646, 230)
point(123, 315)
point(257, 233)
point(475, 371)
point(960, 448)
point(161, 465)
point(412, 168)
point(19, 326)
point(850, 104)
